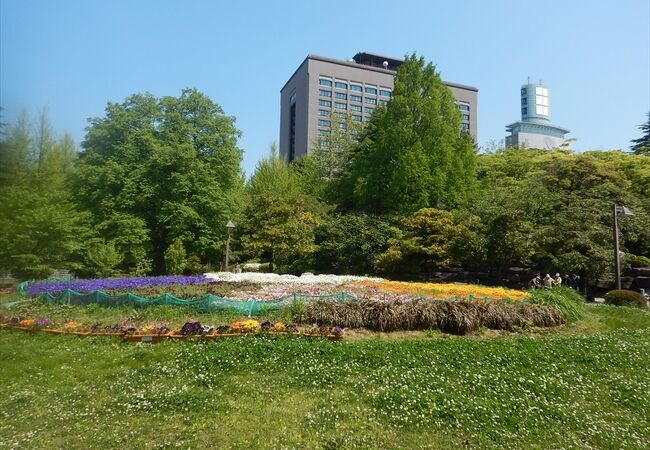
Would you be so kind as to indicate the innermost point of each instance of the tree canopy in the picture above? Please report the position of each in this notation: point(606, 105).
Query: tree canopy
point(413, 154)
point(642, 144)
point(154, 170)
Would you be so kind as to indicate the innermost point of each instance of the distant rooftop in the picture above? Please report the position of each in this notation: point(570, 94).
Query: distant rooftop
point(374, 60)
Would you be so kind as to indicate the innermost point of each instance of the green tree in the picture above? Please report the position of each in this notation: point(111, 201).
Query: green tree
point(642, 145)
point(155, 170)
point(279, 220)
point(412, 153)
point(428, 239)
point(320, 171)
point(175, 258)
point(553, 208)
point(102, 257)
point(350, 243)
point(41, 229)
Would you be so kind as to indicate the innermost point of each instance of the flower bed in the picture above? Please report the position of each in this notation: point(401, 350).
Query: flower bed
point(443, 291)
point(103, 284)
point(157, 332)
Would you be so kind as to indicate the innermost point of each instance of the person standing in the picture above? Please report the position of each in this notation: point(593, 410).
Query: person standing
point(547, 281)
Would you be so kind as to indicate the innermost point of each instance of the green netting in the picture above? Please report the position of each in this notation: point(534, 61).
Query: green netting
point(207, 303)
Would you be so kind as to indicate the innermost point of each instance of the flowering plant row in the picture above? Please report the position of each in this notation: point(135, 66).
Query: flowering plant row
point(249, 326)
point(445, 291)
point(102, 284)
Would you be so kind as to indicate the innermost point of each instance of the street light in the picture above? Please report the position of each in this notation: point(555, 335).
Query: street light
point(619, 211)
point(229, 227)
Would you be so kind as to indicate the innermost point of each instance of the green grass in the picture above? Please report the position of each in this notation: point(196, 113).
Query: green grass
point(586, 385)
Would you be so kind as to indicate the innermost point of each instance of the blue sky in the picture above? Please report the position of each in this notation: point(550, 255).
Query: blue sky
point(74, 56)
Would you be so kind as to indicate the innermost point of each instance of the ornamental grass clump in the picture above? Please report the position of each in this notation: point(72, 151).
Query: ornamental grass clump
point(456, 317)
point(566, 300)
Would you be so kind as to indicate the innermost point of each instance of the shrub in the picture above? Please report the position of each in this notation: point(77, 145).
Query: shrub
point(568, 301)
point(637, 261)
point(625, 298)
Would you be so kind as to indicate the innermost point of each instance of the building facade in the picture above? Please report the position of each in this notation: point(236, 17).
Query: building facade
point(535, 129)
point(321, 87)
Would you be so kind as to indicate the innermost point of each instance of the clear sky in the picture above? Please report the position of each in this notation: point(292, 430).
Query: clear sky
point(74, 56)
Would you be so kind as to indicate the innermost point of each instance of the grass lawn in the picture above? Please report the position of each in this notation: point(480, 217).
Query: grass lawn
point(584, 385)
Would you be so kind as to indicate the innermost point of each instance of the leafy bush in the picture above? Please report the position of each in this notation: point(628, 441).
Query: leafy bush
point(637, 261)
point(568, 301)
point(625, 298)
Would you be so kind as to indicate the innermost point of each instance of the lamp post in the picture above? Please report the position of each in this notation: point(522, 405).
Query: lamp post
point(229, 227)
point(619, 211)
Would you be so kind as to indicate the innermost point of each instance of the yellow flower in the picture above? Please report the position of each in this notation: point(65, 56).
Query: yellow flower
point(446, 290)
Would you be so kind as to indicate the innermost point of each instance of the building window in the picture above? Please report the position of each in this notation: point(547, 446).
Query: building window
point(371, 90)
point(355, 108)
point(524, 100)
point(292, 97)
point(324, 93)
point(324, 132)
point(356, 88)
point(384, 93)
point(340, 85)
point(382, 102)
point(370, 101)
point(292, 133)
point(369, 110)
point(463, 107)
point(355, 98)
point(341, 95)
point(324, 82)
point(541, 110)
point(465, 116)
point(342, 125)
point(523, 91)
point(322, 102)
point(323, 123)
point(464, 126)
point(541, 101)
point(339, 115)
point(338, 105)
point(524, 111)
point(356, 117)
point(323, 112)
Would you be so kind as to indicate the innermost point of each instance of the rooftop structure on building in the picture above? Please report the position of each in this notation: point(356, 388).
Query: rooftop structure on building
point(323, 90)
point(535, 129)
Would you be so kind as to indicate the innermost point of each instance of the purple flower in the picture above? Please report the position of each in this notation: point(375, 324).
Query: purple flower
point(161, 329)
point(102, 284)
point(128, 328)
point(43, 322)
point(337, 331)
point(191, 328)
point(266, 325)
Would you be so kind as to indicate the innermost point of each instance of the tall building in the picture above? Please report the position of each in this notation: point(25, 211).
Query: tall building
point(323, 86)
point(535, 129)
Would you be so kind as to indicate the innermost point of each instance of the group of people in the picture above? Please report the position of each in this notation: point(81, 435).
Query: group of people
point(548, 281)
